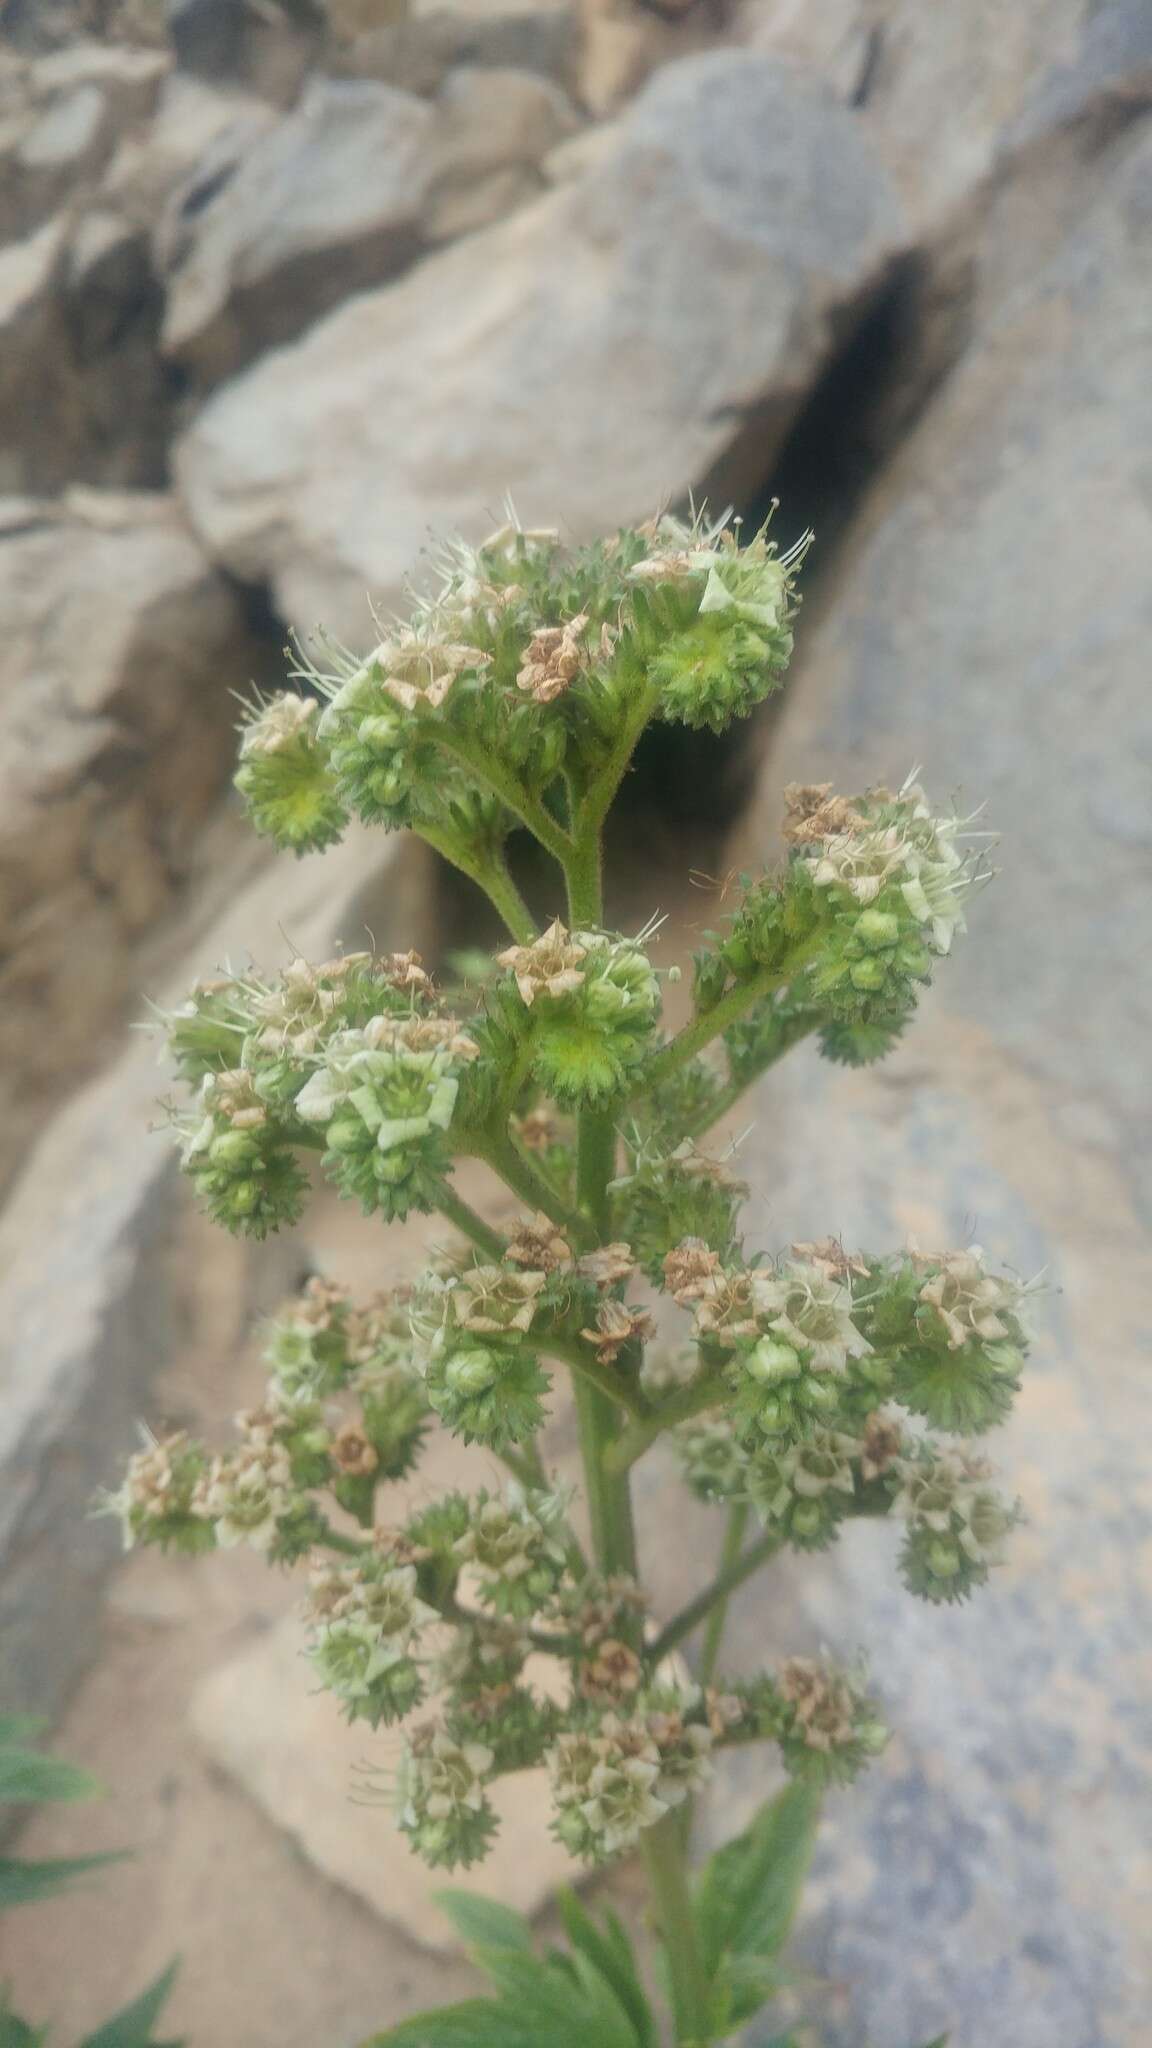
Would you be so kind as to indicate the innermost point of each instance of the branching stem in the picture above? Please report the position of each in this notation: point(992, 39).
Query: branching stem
point(724, 1584)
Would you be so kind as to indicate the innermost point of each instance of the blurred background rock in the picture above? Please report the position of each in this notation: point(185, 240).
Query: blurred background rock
point(285, 287)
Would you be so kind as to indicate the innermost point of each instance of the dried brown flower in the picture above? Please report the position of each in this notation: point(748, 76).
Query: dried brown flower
point(550, 966)
point(882, 1444)
point(539, 1245)
point(615, 1670)
point(607, 1265)
point(617, 1325)
point(812, 813)
point(552, 660)
point(353, 1453)
point(689, 1269)
point(824, 1703)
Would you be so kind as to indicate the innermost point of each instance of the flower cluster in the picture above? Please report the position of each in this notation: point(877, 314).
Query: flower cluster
point(586, 1004)
point(365, 1619)
point(614, 1777)
point(808, 1388)
point(684, 1195)
point(957, 1523)
point(514, 1547)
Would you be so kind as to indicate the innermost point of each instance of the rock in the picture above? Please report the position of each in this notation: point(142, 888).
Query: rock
point(122, 646)
point(910, 69)
point(263, 1720)
point(695, 280)
point(64, 113)
point(107, 285)
point(622, 42)
point(27, 274)
point(196, 136)
point(341, 195)
point(324, 203)
point(94, 1249)
point(418, 48)
point(494, 129)
point(977, 627)
point(264, 49)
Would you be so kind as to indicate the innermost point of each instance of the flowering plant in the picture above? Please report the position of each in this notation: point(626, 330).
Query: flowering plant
point(808, 1389)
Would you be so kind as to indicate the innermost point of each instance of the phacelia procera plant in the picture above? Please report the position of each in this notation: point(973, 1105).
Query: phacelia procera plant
point(811, 1385)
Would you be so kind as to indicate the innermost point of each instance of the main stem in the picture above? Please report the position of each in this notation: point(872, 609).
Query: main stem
point(609, 1495)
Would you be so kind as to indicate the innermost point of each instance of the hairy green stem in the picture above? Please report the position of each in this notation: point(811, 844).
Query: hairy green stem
point(722, 1585)
point(729, 1557)
point(730, 1095)
point(497, 1150)
point(606, 1379)
point(708, 1024)
point(489, 874)
point(597, 800)
point(703, 1393)
point(490, 772)
point(667, 1871)
point(461, 1213)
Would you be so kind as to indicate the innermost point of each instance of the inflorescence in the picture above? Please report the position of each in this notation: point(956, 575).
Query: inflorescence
point(813, 1388)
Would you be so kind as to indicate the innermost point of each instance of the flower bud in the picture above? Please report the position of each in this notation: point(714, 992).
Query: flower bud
point(285, 778)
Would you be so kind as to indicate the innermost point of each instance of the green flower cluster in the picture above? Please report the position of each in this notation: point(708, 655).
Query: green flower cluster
point(365, 1620)
point(582, 1007)
point(516, 676)
point(955, 1335)
point(806, 1388)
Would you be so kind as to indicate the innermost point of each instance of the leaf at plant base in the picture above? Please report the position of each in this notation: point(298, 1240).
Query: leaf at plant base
point(18, 1728)
point(483, 1923)
point(15, 2032)
point(477, 2023)
point(27, 1776)
point(609, 1951)
point(563, 2014)
point(132, 2028)
point(748, 1892)
point(21, 1882)
point(941, 2041)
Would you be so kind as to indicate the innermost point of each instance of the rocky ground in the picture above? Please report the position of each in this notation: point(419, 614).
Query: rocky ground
point(279, 291)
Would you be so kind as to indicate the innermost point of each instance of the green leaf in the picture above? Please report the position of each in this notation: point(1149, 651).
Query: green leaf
point(132, 2028)
point(477, 2023)
point(748, 1892)
point(22, 1882)
point(941, 2041)
point(483, 1923)
point(609, 1951)
point(16, 2033)
point(27, 1776)
point(16, 1728)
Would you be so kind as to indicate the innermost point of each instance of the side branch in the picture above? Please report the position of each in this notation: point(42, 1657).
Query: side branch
point(724, 1584)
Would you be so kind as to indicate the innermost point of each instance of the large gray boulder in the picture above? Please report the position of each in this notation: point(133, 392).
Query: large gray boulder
point(340, 195)
point(121, 650)
point(599, 351)
point(99, 1256)
point(991, 619)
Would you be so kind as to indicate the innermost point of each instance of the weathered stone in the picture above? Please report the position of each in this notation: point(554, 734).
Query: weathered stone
point(325, 203)
point(92, 1248)
point(622, 43)
point(263, 1719)
point(27, 276)
point(121, 648)
point(935, 88)
point(992, 1877)
point(62, 116)
point(267, 50)
point(196, 136)
point(417, 49)
point(342, 194)
point(592, 355)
